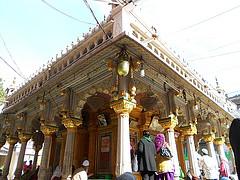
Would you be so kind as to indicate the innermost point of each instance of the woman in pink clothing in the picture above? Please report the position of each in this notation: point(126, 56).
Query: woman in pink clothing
point(165, 167)
point(224, 168)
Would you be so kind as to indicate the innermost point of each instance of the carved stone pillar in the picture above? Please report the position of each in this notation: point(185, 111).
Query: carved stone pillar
point(181, 150)
point(24, 137)
point(123, 107)
point(92, 129)
point(71, 125)
point(169, 124)
point(44, 167)
point(38, 138)
point(219, 142)
point(57, 151)
point(63, 144)
point(209, 138)
point(188, 131)
point(12, 141)
point(232, 158)
point(2, 141)
point(37, 149)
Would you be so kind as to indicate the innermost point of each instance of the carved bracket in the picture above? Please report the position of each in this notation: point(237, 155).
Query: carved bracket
point(48, 130)
point(219, 140)
point(188, 130)
point(169, 122)
point(209, 137)
point(122, 106)
point(71, 122)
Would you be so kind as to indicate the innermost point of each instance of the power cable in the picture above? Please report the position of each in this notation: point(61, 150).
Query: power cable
point(10, 55)
point(209, 57)
point(140, 21)
point(71, 17)
point(89, 7)
point(12, 68)
point(208, 19)
point(224, 45)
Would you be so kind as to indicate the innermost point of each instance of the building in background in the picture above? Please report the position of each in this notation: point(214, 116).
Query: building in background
point(235, 98)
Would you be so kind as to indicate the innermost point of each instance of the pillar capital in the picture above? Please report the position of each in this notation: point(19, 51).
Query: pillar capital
point(169, 122)
point(24, 137)
point(48, 130)
point(219, 140)
point(189, 130)
point(71, 122)
point(209, 137)
point(122, 106)
point(12, 140)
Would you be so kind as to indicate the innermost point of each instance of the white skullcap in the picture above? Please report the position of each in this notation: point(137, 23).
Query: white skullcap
point(205, 151)
point(85, 163)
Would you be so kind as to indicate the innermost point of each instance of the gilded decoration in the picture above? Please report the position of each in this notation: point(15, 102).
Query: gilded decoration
point(48, 130)
point(169, 122)
point(229, 145)
point(12, 140)
point(219, 140)
point(71, 122)
point(24, 137)
point(209, 137)
point(122, 106)
point(188, 130)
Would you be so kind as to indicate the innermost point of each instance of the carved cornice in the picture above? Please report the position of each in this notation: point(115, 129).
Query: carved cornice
point(188, 130)
point(48, 130)
point(122, 106)
point(71, 122)
point(209, 137)
point(169, 122)
point(219, 140)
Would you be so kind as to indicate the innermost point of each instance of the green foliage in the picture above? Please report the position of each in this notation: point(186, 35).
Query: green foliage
point(2, 92)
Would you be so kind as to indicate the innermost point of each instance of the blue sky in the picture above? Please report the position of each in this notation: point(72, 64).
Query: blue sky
point(34, 33)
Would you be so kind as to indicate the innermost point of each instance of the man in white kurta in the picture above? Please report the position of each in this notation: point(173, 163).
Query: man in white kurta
point(81, 173)
point(209, 166)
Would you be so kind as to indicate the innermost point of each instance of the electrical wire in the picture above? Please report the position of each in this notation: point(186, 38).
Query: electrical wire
point(224, 45)
point(89, 7)
point(140, 21)
point(208, 19)
point(71, 17)
point(10, 55)
point(218, 55)
point(12, 68)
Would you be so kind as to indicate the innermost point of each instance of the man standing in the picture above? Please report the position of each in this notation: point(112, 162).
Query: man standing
point(146, 157)
point(234, 138)
point(209, 166)
point(81, 173)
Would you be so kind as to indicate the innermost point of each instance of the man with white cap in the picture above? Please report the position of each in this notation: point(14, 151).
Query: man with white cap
point(81, 173)
point(209, 166)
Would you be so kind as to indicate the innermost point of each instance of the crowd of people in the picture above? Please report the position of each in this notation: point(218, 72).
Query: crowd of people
point(77, 174)
point(155, 162)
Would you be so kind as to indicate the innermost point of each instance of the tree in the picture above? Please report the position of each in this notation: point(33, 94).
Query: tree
point(2, 93)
